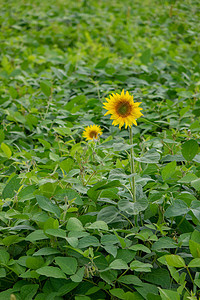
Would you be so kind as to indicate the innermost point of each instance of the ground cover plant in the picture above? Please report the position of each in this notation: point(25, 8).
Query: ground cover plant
point(70, 225)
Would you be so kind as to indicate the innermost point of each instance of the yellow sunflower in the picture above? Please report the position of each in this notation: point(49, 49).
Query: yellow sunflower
point(123, 109)
point(91, 132)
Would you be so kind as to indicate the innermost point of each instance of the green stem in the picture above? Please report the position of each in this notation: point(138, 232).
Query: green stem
point(132, 165)
point(190, 274)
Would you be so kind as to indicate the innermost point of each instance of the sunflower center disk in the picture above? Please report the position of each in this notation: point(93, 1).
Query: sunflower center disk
point(123, 109)
point(93, 134)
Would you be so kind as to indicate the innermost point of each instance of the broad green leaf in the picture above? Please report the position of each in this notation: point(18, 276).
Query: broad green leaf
point(190, 149)
point(87, 241)
point(108, 214)
point(46, 251)
point(139, 266)
point(78, 277)
point(28, 291)
point(194, 263)
point(130, 279)
point(11, 187)
point(188, 178)
point(133, 296)
point(46, 87)
point(159, 277)
point(12, 239)
point(2, 136)
point(74, 224)
point(119, 293)
point(102, 63)
point(118, 264)
point(133, 208)
point(4, 256)
point(56, 232)
point(194, 248)
point(168, 171)
point(67, 264)
point(51, 272)
point(168, 294)
point(140, 247)
point(2, 273)
point(6, 149)
point(146, 56)
point(34, 262)
point(101, 225)
point(175, 261)
point(178, 208)
point(47, 205)
point(36, 236)
point(196, 184)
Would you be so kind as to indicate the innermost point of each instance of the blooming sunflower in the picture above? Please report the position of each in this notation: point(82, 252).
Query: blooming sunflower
point(91, 132)
point(123, 109)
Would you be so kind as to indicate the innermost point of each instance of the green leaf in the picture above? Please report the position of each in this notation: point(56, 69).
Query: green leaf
point(12, 239)
point(4, 257)
point(56, 232)
point(2, 135)
point(178, 208)
point(197, 282)
point(100, 225)
point(82, 297)
point(139, 266)
point(78, 277)
point(71, 196)
point(11, 187)
point(47, 205)
point(151, 157)
point(108, 214)
point(194, 248)
point(28, 291)
point(188, 178)
point(46, 251)
point(6, 149)
point(140, 247)
point(146, 56)
point(2, 273)
point(196, 184)
point(36, 236)
point(158, 277)
point(74, 224)
point(67, 264)
point(133, 208)
point(194, 263)
point(168, 294)
point(34, 262)
point(190, 149)
point(46, 87)
point(168, 171)
point(87, 241)
point(13, 92)
point(65, 131)
point(102, 63)
point(175, 261)
point(118, 264)
point(130, 279)
point(51, 272)
point(119, 293)
point(134, 296)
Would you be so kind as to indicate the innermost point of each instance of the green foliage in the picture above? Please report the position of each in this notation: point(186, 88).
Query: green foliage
point(69, 226)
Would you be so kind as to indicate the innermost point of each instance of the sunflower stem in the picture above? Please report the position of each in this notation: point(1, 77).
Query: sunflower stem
point(132, 165)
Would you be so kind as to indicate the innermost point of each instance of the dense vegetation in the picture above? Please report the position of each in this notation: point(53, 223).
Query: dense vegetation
point(69, 226)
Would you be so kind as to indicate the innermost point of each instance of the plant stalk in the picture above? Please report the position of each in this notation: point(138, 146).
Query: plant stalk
point(132, 165)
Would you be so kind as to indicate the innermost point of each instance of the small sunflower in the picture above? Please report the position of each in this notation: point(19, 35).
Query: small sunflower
point(123, 109)
point(91, 132)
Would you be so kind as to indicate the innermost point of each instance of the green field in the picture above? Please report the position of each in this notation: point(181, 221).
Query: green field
point(70, 227)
